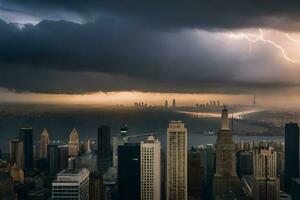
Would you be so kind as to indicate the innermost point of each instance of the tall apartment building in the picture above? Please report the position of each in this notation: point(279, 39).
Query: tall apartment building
point(266, 184)
point(176, 185)
point(71, 184)
point(150, 169)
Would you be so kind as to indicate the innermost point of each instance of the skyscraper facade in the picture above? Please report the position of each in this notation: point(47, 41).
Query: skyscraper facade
point(16, 152)
point(225, 178)
point(129, 179)
point(176, 186)
point(73, 143)
point(63, 157)
point(53, 159)
point(26, 136)
point(104, 156)
point(194, 174)
point(291, 163)
point(150, 169)
point(71, 184)
point(266, 184)
point(44, 143)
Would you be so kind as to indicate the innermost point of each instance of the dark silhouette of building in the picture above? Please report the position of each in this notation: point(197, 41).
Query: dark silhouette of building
point(209, 170)
point(53, 159)
point(63, 152)
point(129, 172)
point(291, 154)
point(194, 174)
point(104, 157)
point(26, 136)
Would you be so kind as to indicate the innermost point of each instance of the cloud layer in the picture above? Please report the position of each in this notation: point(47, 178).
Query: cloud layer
point(174, 47)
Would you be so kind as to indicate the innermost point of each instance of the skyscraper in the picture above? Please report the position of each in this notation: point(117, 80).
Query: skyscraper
point(174, 103)
point(194, 174)
point(150, 169)
point(63, 157)
point(166, 103)
point(44, 143)
point(291, 163)
point(176, 187)
point(225, 178)
point(129, 172)
point(209, 170)
point(53, 159)
point(16, 153)
point(26, 136)
point(72, 183)
point(73, 143)
point(104, 156)
point(266, 184)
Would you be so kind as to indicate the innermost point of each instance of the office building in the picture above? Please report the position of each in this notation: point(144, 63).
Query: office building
point(129, 181)
point(44, 143)
point(194, 174)
point(265, 184)
point(26, 136)
point(63, 152)
point(209, 170)
point(124, 131)
point(53, 159)
point(166, 104)
point(291, 169)
point(104, 155)
point(71, 184)
point(150, 169)
point(245, 163)
point(73, 143)
point(96, 188)
point(176, 186)
point(6, 186)
point(16, 154)
point(225, 178)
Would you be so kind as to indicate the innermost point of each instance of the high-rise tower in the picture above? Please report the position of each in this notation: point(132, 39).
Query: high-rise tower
point(44, 143)
point(150, 169)
point(104, 157)
point(26, 136)
point(176, 187)
point(266, 184)
point(16, 154)
point(291, 169)
point(73, 143)
point(225, 178)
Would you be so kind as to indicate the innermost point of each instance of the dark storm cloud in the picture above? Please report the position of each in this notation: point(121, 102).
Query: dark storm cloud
point(136, 45)
point(208, 14)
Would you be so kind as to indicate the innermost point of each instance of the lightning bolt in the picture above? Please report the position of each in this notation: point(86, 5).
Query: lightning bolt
point(291, 38)
point(261, 38)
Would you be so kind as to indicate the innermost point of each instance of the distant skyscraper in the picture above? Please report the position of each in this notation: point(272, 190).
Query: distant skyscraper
point(254, 97)
point(225, 178)
point(291, 169)
point(150, 169)
point(174, 103)
point(176, 187)
point(96, 189)
point(53, 159)
point(265, 184)
point(166, 103)
point(63, 152)
point(129, 172)
point(73, 143)
point(26, 136)
point(72, 183)
point(194, 174)
point(16, 152)
point(44, 143)
point(104, 149)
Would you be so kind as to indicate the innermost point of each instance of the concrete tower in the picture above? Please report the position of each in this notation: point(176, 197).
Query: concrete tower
point(176, 187)
point(44, 143)
point(73, 143)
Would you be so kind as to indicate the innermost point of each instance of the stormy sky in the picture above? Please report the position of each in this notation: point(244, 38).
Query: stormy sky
point(196, 46)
